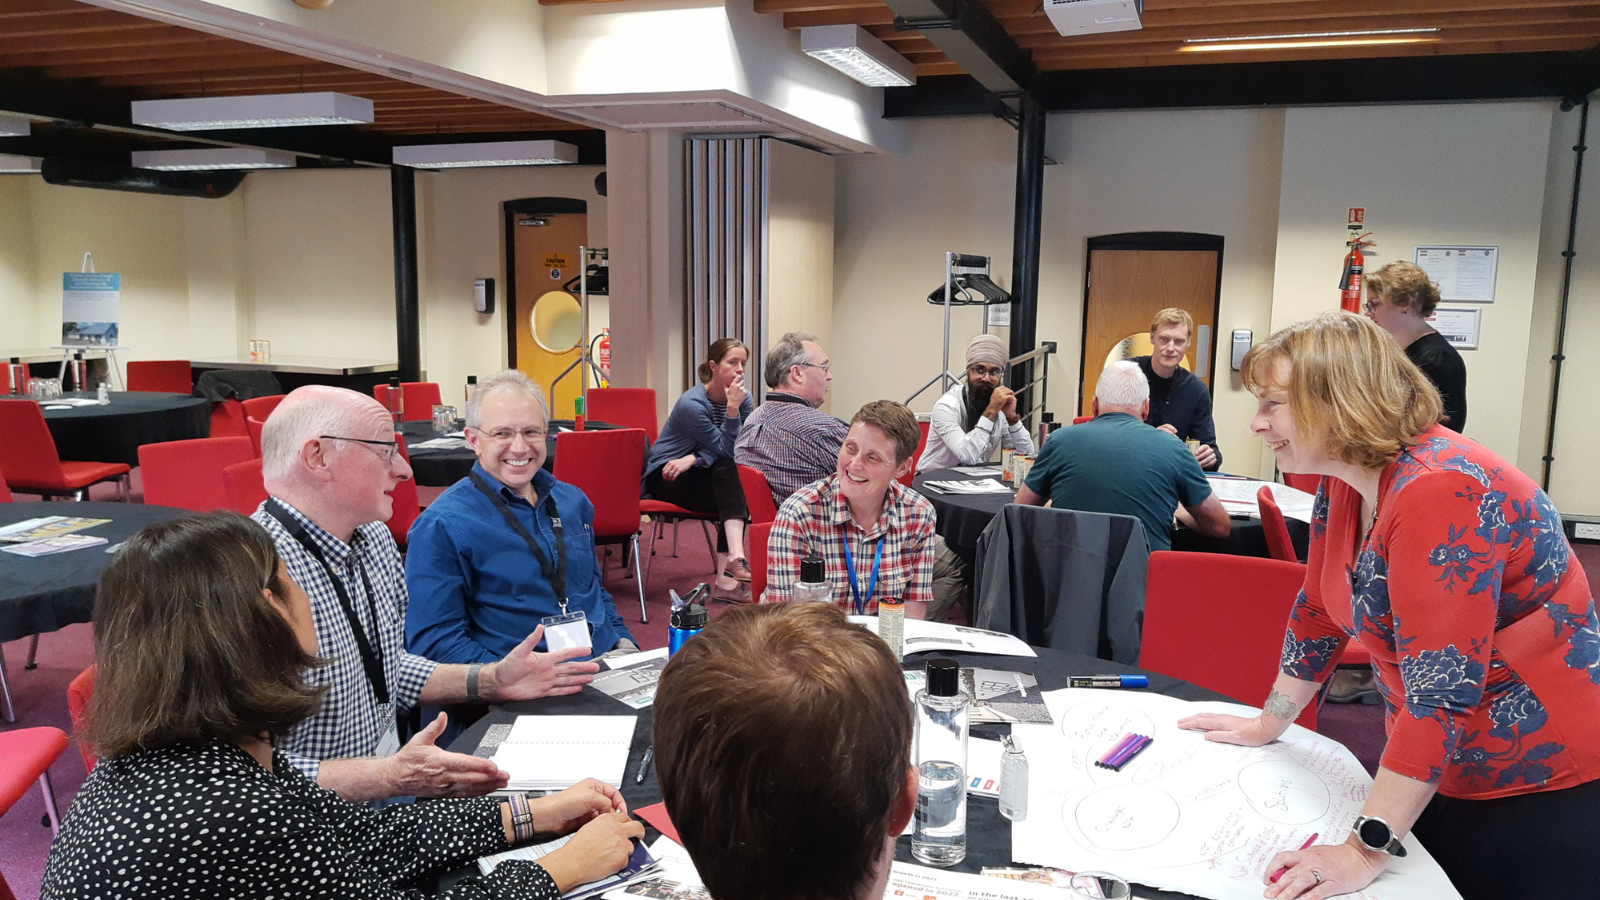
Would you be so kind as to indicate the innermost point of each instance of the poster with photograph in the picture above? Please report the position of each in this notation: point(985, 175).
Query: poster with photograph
point(90, 307)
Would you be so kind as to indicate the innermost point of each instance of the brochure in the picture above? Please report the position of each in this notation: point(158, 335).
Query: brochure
point(55, 545)
point(46, 527)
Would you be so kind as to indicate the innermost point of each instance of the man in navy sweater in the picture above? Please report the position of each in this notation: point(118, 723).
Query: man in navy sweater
point(1180, 404)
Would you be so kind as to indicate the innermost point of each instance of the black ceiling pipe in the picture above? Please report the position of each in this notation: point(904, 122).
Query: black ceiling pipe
point(407, 315)
point(1567, 256)
point(1025, 239)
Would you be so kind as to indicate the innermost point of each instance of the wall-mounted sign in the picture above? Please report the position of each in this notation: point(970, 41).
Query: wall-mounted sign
point(1464, 274)
point(1458, 326)
point(998, 315)
point(90, 303)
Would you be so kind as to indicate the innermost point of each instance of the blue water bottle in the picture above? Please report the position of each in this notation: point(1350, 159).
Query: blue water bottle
point(689, 617)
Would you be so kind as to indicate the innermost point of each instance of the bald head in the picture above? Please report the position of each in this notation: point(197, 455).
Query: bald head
point(305, 414)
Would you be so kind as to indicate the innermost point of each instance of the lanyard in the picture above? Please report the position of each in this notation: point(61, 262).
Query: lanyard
point(371, 657)
point(557, 578)
point(850, 569)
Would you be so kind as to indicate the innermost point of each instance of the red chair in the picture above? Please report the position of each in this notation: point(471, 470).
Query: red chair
point(1218, 621)
point(227, 419)
point(420, 397)
point(29, 753)
point(188, 474)
point(261, 407)
point(602, 465)
point(78, 694)
point(757, 495)
point(167, 376)
point(1279, 543)
point(756, 554)
point(628, 407)
point(246, 491)
point(922, 444)
point(1079, 420)
point(28, 457)
point(254, 426)
point(663, 513)
point(5, 491)
point(1307, 483)
point(405, 505)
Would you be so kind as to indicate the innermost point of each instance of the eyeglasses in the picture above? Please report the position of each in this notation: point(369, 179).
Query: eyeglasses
point(390, 448)
point(1371, 306)
point(986, 371)
point(826, 367)
point(506, 435)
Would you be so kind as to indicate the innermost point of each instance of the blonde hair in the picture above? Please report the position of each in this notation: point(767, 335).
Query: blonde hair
point(1348, 382)
point(1173, 316)
point(1404, 285)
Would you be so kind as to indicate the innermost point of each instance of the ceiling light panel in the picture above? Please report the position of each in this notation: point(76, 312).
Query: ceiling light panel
point(18, 165)
point(254, 111)
point(1301, 45)
point(211, 159)
point(493, 153)
point(851, 50)
point(15, 126)
point(1313, 35)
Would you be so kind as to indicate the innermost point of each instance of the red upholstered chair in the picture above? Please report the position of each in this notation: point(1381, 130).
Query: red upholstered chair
point(169, 376)
point(757, 495)
point(228, 419)
point(29, 753)
point(405, 504)
point(922, 444)
point(254, 426)
point(603, 464)
point(420, 399)
point(28, 457)
point(5, 491)
point(663, 513)
point(1218, 621)
point(261, 407)
point(756, 554)
point(246, 491)
point(78, 694)
point(188, 474)
point(628, 407)
point(1079, 420)
point(1279, 543)
point(1307, 483)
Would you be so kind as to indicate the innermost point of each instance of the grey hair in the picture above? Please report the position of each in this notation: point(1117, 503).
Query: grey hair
point(788, 352)
point(294, 423)
point(508, 380)
point(1122, 385)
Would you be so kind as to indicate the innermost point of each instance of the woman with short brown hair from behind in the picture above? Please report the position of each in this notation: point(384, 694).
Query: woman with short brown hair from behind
point(1400, 298)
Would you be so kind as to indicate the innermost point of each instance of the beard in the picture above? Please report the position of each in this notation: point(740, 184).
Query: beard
point(977, 401)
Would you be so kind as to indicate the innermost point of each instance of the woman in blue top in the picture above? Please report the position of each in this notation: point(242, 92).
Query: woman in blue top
point(691, 463)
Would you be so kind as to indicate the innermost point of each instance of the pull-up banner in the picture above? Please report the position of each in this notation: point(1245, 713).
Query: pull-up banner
point(90, 304)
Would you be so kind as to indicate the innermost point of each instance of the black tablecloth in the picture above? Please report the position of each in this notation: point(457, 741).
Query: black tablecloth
point(988, 833)
point(114, 433)
point(48, 592)
point(444, 467)
point(963, 517)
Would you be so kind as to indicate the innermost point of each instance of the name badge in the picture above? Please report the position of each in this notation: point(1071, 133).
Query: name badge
point(389, 744)
point(570, 630)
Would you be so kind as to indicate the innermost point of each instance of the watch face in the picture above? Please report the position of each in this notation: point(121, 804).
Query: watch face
point(1375, 834)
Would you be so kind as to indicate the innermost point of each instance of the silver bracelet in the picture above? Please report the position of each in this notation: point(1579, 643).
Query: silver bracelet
point(472, 683)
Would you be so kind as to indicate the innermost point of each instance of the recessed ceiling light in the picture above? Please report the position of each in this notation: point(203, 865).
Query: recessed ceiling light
point(492, 153)
point(18, 165)
point(253, 111)
point(15, 126)
point(211, 159)
point(855, 52)
point(1371, 37)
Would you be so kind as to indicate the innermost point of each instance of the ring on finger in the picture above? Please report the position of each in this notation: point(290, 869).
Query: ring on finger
point(1317, 875)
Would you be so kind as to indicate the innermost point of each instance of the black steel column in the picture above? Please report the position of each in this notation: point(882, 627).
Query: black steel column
point(407, 315)
point(1025, 243)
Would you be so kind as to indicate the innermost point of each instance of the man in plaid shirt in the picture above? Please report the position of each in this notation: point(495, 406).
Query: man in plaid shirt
point(329, 461)
point(861, 518)
point(788, 439)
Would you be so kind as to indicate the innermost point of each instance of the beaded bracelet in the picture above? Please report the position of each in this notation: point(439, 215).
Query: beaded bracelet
point(521, 818)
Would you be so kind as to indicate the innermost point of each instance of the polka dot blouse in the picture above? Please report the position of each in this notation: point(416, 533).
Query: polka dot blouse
point(209, 822)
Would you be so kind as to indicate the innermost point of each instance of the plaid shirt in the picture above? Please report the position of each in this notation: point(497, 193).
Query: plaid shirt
point(791, 442)
point(817, 520)
point(350, 723)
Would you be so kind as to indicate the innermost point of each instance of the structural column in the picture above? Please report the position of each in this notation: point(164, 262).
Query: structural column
point(1025, 243)
point(408, 318)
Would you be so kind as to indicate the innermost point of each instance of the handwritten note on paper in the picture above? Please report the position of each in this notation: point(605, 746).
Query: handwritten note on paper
point(1189, 814)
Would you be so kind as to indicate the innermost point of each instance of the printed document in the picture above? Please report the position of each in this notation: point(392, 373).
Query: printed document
point(552, 753)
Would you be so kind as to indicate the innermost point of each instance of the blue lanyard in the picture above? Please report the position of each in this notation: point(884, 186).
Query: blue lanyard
point(872, 584)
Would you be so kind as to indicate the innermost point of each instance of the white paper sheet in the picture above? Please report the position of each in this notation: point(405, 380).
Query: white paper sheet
point(923, 637)
point(924, 883)
point(557, 752)
point(1238, 496)
point(981, 486)
point(1188, 814)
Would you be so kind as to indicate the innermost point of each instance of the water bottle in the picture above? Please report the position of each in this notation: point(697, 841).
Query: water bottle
point(79, 372)
point(472, 385)
point(103, 394)
point(16, 377)
point(1047, 424)
point(688, 617)
point(397, 401)
point(892, 624)
point(813, 583)
point(577, 415)
point(1013, 780)
point(940, 753)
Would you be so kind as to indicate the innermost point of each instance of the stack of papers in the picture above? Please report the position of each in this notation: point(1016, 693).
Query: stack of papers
point(998, 697)
point(978, 471)
point(553, 753)
point(640, 865)
point(675, 879)
point(632, 678)
point(54, 545)
point(441, 443)
point(922, 636)
point(981, 486)
point(46, 527)
point(1238, 496)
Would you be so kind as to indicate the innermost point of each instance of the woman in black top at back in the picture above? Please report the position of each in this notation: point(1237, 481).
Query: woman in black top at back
point(1400, 298)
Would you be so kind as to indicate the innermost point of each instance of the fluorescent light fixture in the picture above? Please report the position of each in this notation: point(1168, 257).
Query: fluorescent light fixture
point(851, 50)
point(18, 165)
point(1375, 37)
point(253, 111)
point(492, 153)
point(211, 159)
point(15, 126)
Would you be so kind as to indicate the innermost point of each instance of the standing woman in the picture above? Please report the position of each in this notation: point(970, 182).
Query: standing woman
point(1400, 298)
point(1451, 567)
point(692, 465)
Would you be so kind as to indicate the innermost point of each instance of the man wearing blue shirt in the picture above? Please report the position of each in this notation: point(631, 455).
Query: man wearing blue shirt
point(479, 583)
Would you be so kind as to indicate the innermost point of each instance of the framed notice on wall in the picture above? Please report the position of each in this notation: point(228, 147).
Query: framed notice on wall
point(1464, 274)
point(90, 304)
point(1458, 326)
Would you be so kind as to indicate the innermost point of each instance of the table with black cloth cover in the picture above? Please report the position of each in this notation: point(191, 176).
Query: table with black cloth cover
point(46, 593)
point(442, 467)
point(963, 517)
point(988, 833)
point(114, 433)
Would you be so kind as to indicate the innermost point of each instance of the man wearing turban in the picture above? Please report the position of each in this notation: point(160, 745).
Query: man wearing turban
point(974, 419)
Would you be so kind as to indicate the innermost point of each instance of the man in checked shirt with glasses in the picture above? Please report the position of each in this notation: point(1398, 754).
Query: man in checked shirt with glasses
point(330, 462)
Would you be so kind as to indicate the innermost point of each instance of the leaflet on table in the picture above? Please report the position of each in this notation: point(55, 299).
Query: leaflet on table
point(1238, 496)
point(46, 527)
point(1188, 814)
point(982, 486)
point(640, 865)
point(913, 882)
point(922, 636)
point(632, 681)
point(54, 545)
point(440, 443)
point(675, 879)
point(978, 471)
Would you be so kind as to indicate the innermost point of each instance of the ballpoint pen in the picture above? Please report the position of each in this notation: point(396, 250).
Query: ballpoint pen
point(644, 765)
point(1279, 874)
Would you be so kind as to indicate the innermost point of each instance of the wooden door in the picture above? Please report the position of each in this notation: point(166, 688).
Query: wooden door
point(546, 257)
point(1127, 287)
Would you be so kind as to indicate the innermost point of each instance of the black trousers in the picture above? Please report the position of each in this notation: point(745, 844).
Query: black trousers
point(714, 489)
point(1531, 845)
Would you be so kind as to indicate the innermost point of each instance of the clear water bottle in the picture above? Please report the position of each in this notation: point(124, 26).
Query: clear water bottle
point(1013, 780)
point(813, 583)
point(892, 624)
point(397, 401)
point(472, 385)
point(103, 394)
point(940, 753)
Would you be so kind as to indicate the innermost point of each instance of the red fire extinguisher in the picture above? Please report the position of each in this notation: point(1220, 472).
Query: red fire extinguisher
point(1350, 281)
point(605, 355)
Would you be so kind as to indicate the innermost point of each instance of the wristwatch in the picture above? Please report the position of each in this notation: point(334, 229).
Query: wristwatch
point(1375, 834)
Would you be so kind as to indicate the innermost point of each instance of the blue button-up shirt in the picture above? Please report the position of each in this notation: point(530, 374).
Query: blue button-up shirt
point(477, 591)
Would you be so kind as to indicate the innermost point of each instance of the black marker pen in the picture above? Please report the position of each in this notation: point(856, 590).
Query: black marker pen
point(1108, 681)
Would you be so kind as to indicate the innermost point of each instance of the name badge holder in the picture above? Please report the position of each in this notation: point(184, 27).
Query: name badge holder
point(389, 744)
point(569, 629)
point(566, 630)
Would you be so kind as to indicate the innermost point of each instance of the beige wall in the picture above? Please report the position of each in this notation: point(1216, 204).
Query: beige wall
point(800, 219)
point(19, 309)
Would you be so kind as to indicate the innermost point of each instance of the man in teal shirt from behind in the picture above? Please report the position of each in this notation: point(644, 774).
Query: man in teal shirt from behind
point(1118, 464)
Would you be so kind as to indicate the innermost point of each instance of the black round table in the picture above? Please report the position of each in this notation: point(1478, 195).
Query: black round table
point(444, 466)
point(114, 433)
point(988, 833)
point(46, 593)
point(963, 517)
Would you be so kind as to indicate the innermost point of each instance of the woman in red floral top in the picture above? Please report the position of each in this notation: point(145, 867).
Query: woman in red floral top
point(1451, 567)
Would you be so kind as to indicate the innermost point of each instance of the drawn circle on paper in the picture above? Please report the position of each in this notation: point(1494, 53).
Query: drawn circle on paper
point(1099, 725)
point(1126, 817)
point(1284, 791)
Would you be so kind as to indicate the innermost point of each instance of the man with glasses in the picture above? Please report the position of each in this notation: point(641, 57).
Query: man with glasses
point(1180, 404)
point(788, 439)
point(508, 547)
point(330, 463)
point(973, 420)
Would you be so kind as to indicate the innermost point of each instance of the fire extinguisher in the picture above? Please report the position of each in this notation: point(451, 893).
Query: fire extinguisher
point(1350, 281)
point(605, 355)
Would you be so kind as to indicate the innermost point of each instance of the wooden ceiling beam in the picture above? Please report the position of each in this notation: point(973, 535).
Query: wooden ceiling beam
point(1279, 10)
point(20, 9)
point(217, 48)
point(873, 15)
point(219, 64)
point(145, 34)
point(768, 7)
point(1553, 24)
point(62, 23)
point(310, 70)
point(1061, 61)
point(939, 68)
point(1447, 36)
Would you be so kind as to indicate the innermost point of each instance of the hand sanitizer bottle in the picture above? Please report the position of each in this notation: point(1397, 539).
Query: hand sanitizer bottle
point(1013, 780)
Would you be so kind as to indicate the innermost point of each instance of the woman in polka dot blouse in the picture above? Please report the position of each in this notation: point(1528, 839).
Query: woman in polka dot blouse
point(201, 640)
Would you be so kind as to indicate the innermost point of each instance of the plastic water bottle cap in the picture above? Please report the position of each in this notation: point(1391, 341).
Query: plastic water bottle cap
point(944, 678)
point(811, 570)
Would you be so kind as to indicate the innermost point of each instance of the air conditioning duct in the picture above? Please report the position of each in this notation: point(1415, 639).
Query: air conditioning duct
point(1075, 17)
point(113, 176)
